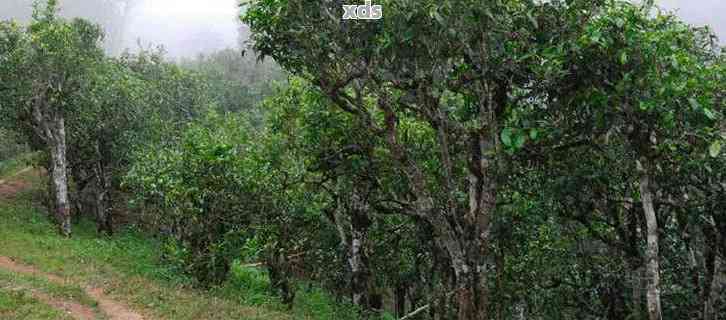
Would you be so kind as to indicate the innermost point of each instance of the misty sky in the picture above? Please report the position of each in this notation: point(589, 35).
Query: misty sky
point(188, 27)
point(701, 12)
point(184, 27)
point(179, 24)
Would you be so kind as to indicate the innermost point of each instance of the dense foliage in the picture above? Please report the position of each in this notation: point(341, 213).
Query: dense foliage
point(504, 159)
point(529, 142)
point(236, 79)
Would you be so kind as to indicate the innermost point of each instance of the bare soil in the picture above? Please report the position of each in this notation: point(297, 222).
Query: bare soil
point(114, 310)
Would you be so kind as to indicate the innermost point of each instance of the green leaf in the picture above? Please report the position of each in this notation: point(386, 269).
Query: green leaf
point(507, 137)
point(439, 18)
point(620, 22)
point(623, 58)
point(694, 103)
point(715, 149)
point(644, 106)
point(519, 141)
point(596, 36)
point(709, 114)
point(533, 134)
point(533, 20)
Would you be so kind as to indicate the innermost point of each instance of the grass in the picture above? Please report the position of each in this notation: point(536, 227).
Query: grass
point(12, 165)
point(128, 267)
point(64, 292)
point(20, 305)
point(251, 286)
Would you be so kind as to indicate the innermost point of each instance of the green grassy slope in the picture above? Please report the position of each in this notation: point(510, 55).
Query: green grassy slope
point(127, 267)
point(20, 305)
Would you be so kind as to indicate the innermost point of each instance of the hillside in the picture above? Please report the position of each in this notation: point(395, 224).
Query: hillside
point(45, 276)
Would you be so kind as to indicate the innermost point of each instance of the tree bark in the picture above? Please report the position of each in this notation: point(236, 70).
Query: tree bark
point(59, 176)
point(400, 299)
point(352, 223)
point(101, 190)
point(49, 125)
point(713, 279)
point(50, 196)
point(637, 298)
point(357, 257)
point(712, 304)
point(462, 234)
point(520, 310)
point(474, 289)
point(651, 254)
point(102, 215)
point(278, 268)
point(59, 172)
point(499, 266)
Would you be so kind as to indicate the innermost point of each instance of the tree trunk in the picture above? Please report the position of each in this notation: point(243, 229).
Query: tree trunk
point(400, 301)
point(76, 197)
point(637, 298)
point(278, 268)
point(499, 265)
point(713, 302)
point(357, 256)
point(473, 297)
point(472, 278)
point(50, 196)
point(462, 234)
point(713, 279)
point(49, 126)
point(103, 219)
point(651, 253)
point(358, 266)
point(101, 190)
point(520, 310)
point(59, 174)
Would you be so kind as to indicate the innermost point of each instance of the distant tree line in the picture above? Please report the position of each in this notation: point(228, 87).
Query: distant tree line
point(113, 15)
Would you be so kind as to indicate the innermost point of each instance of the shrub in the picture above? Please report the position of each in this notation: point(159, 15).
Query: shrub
point(194, 191)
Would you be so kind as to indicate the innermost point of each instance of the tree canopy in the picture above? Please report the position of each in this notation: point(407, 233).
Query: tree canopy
point(503, 159)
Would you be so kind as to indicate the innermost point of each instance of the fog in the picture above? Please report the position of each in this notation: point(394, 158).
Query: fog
point(700, 13)
point(184, 27)
point(189, 27)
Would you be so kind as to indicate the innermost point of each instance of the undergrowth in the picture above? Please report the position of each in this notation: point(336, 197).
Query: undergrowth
point(129, 266)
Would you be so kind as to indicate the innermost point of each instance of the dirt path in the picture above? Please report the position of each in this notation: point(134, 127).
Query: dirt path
point(73, 309)
point(2, 181)
point(111, 308)
point(115, 310)
point(8, 188)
